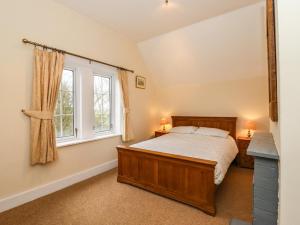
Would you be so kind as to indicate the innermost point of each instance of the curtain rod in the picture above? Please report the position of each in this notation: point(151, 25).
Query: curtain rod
point(25, 41)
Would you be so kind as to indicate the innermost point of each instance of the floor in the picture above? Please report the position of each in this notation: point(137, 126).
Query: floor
point(102, 201)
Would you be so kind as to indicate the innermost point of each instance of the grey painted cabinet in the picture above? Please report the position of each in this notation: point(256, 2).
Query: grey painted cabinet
point(265, 180)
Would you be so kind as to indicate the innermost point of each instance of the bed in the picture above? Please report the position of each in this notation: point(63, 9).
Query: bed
point(185, 167)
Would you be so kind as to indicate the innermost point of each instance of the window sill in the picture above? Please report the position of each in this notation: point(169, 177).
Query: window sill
point(76, 142)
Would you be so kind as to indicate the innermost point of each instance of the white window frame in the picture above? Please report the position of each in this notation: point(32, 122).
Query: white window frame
point(83, 101)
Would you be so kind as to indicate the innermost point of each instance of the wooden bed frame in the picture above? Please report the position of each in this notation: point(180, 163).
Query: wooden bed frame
point(185, 179)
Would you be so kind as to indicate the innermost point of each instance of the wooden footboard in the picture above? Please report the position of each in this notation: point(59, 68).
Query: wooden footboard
point(184, 179)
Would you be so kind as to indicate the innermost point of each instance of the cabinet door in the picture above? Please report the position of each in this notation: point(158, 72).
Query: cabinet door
point(247, 161)
point(244, 159)
point(158, 134)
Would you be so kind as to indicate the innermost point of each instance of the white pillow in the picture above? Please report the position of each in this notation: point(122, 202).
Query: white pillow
point(215, 132)
point(183, 130)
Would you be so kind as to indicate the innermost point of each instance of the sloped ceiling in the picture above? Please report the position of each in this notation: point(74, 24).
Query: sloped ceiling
point(142, 19)
point(228, 47)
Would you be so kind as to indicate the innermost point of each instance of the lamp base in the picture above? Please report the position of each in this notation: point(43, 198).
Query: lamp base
point(249, 134)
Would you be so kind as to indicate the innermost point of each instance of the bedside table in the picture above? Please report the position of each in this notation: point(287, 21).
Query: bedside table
point(160, 133)
point(243, 159)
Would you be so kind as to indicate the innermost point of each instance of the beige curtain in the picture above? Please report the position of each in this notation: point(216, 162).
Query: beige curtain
point(48, 68)
point(127, 133)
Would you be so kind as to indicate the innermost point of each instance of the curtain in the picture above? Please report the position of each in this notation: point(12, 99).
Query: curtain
point(48, 68)
point(127, 133)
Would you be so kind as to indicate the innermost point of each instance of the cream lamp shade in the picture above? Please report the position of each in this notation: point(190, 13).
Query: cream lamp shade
point(250, 125)
point(164, 122)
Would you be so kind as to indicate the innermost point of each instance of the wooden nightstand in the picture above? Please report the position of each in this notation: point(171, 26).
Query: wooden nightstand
point(243, 159)
point(160, 133)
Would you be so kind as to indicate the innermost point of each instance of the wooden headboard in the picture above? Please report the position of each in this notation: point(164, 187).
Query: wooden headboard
point(224, 123)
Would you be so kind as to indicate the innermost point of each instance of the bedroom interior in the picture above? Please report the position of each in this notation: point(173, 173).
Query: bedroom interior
point(149, 112)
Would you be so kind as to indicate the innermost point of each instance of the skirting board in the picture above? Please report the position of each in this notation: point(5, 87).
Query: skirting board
point(40, 191)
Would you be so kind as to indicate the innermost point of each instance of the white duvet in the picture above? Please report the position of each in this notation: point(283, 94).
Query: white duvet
point(221, 150)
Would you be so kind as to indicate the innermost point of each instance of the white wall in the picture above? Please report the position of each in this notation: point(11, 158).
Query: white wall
point(289, 99)
point(51, 23)
point(217, 67)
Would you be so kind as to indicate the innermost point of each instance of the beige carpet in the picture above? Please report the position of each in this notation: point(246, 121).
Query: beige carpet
point(103, 201)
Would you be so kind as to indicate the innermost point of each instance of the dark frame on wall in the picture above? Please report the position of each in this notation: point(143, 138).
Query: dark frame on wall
point(272, 64)
point(140, 82)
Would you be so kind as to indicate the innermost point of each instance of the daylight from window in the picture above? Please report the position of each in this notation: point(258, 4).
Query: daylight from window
point(64, 112)
point(88, 106)
point(102, 103)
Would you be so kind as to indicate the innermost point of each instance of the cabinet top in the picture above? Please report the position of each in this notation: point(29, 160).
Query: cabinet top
point(244, 138)
point(263, 145)
point(162, 131)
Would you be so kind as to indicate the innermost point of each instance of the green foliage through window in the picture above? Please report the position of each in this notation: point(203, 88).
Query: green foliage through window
point(64, 112)
point(102, 103)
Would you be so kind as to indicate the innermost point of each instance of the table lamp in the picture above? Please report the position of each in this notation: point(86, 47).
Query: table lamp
point(250, 125)
point(164, 122)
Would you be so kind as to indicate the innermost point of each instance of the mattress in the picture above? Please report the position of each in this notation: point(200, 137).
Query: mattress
point(221, 150)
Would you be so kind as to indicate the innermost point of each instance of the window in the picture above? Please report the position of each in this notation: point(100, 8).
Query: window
point(102, 103)
point(64, 112)
point(88, 104)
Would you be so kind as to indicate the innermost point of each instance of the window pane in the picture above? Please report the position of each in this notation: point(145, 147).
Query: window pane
point(106, 104)
point(102, 103)
point(67, 81)
point(67, 125)
point(64, 111)
point(67, 102)
point(57, 108)
point(57, 121)
point(106, 84)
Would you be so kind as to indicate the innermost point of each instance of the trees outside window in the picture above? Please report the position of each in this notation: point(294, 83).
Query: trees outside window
point(64, 112)
point(88, 104)
point(102, 103)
